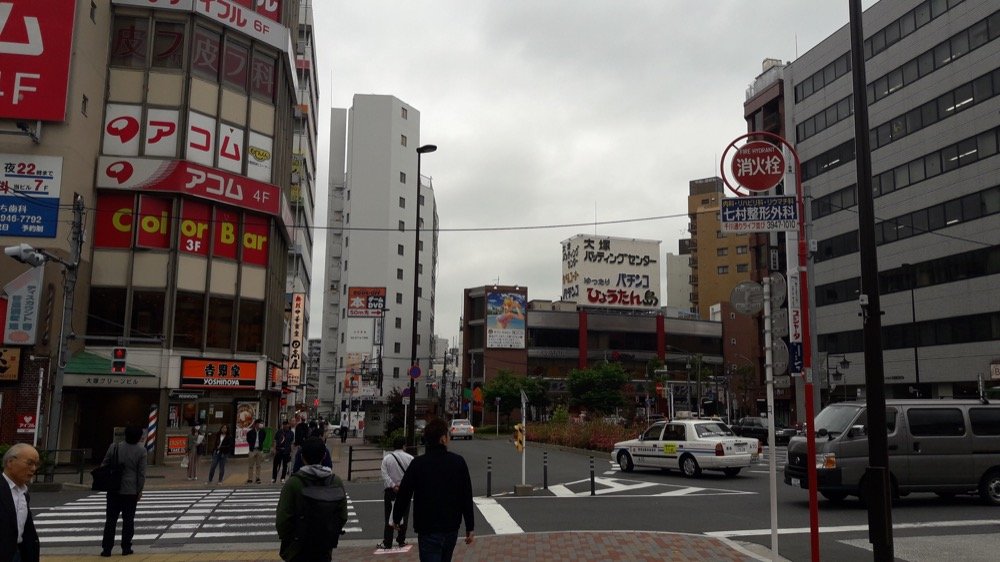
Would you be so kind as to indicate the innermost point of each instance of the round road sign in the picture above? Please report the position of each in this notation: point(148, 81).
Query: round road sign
point(779, 289)
point(758, 165)
point(747, 298)
point(414, 372)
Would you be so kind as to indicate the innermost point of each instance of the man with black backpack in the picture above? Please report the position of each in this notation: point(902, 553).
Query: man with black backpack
point(394, 466)
point(312, 510)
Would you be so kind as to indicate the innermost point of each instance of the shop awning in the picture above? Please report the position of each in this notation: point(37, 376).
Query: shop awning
point(85, 363)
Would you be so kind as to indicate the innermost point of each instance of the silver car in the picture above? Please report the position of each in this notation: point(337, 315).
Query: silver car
point(461, 428)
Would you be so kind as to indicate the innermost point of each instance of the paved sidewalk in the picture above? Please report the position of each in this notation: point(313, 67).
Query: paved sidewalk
point(576, 545)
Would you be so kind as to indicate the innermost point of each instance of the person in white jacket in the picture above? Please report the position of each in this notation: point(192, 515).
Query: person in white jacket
point(394, 465)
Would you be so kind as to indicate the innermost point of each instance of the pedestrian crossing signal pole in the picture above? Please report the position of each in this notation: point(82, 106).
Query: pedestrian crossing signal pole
point(521, 431)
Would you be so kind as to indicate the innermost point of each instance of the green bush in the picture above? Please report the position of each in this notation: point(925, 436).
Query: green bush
point(386, 440)
point(560, 415)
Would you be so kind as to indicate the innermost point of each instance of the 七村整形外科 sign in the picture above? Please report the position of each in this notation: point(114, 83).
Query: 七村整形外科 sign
point(759, 214)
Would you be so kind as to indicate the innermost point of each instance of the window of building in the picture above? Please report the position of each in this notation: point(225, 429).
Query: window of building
point(168, 45)
point(722, 269)
point(262, 76)
point(399, 298)
point(250, 329)
point(402, 140)
point(189, 313)
point(402, 112)
point(399, 323)
point(402, 226)
point(220, 322)
point(129, 42)
point(147, 314)
point(236, 65)
point(399, 249)
point(205, 53)
point(395, 372)
point(84, 103)
point(719, 234)
point(106, 316)
point(399, 273)
point(402, 177)
point(402, 202)
point(396, 347)
point(722, 251)
point(742, 267)
point(740, 250)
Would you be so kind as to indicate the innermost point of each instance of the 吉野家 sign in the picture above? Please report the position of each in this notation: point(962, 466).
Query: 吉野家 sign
point(218, 373)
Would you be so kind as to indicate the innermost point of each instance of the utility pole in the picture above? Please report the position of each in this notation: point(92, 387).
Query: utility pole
point(70, 270)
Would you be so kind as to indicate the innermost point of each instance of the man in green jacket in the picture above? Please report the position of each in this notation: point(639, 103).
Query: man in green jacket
point(312, 510)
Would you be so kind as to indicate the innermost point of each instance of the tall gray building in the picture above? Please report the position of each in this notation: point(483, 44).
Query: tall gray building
point(934, 111)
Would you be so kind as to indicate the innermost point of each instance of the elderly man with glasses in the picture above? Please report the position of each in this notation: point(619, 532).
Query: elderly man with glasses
point(18, 539)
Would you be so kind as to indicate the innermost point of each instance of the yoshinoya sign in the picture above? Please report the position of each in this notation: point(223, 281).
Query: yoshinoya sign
point(36, 41)
point(218, 374)
point(758, 165)
point(759, 214)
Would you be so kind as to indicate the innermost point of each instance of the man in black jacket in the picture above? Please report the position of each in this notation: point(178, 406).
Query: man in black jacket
point(439, 484)
point(18, 539)
point(255, 444)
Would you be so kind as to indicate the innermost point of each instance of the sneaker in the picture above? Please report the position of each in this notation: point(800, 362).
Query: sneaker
point(282, 480)
point(273, 481)
point(383, 546)
point(258, 481)
point(250, 481)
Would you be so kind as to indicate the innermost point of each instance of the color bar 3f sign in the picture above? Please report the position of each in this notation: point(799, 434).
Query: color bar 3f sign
point(297, 339)
point(36, 39)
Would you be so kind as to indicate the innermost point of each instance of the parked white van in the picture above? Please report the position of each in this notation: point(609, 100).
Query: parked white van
point(947, 447)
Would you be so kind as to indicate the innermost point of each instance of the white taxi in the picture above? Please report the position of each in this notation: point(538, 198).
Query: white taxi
point(689, 445)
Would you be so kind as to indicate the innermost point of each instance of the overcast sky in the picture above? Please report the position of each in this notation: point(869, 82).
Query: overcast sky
point(553, 113)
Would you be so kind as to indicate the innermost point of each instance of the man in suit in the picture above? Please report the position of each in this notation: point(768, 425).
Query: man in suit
point(18, 539)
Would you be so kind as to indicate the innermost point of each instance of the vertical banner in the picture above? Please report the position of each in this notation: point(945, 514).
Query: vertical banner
point(297, 339)
point(246, 413)
point(23, 297)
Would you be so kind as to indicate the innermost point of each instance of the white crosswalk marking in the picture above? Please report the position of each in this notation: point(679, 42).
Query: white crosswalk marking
point(184, 515)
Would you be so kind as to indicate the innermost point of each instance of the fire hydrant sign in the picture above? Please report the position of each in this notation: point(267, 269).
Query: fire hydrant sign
point(26, 423)
point(758, 165)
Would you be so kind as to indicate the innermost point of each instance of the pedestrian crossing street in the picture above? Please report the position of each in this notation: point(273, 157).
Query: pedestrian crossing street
point(174, 516)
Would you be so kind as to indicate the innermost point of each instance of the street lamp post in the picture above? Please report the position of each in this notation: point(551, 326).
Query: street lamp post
point(844, 364)
point(410, 417)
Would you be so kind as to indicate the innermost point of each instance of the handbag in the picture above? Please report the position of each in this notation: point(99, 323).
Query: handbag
point(108, 477)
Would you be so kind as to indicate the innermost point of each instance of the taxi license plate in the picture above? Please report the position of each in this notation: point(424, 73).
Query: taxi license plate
point(796, 482)
point(741, 448)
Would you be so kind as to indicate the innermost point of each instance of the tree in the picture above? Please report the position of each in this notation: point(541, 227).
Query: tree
point(507, 387)
point(599, 388)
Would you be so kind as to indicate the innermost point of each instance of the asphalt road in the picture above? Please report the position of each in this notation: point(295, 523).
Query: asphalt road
point(926, 527)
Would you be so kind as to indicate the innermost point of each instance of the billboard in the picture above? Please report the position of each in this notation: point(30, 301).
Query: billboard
point(297, 339)
point(218, 374)
point(36, 41)
point(609, 272)
point(365, 302)
point(759, 214)
point(505, 319)
point(23, 299)
point(29, 194)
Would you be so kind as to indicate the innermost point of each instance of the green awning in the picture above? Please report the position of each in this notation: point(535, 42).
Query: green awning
point(85, 363)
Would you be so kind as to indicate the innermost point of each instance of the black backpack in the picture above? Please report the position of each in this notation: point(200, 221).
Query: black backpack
point(320, 519)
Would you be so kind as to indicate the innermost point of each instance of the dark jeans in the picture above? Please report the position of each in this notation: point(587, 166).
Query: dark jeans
point(436, 547)
point(218, 460)
point(388, 498)
point(124, 505)
point(280, 458)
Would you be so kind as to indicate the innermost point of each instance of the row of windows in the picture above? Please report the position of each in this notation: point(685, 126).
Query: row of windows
point(212, 54)
point(905, 25)
point(962, 153)
point(933, 59)
point(948, 269)
point(931, 112)
point(740, 250)
point(942, 331)
point(740, 268)
point(199, 321)
point(878, 42)
point(938, 109)
point(836, 156)
point(963, 209)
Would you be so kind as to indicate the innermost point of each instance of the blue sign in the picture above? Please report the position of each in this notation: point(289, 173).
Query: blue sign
point(796, 363)
point(759, 214)
point(415, 372)
point(29, 195)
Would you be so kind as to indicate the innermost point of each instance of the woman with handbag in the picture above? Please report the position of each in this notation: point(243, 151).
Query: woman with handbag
point(224, 445)
point(193, 442)
point(131, 456)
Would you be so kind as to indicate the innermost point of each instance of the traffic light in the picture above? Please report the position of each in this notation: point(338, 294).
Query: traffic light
point(118, 356)
point(519, 437)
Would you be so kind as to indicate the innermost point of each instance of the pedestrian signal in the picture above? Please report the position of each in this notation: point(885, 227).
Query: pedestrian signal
point(118, 356)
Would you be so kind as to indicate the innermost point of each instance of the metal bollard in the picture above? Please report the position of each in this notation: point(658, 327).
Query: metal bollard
point(489, 476)
point(593, 486)
point(545, 470)
point(350, 459)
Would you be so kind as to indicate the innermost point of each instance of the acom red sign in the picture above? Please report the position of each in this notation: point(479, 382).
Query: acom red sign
point(36, 40)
